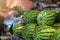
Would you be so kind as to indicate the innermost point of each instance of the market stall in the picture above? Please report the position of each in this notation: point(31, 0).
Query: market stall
point(37, 20)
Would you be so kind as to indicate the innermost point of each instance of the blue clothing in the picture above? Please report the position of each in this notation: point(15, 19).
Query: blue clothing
point(10, 21)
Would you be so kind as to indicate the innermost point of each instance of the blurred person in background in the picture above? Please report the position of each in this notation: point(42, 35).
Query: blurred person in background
point(8, 7)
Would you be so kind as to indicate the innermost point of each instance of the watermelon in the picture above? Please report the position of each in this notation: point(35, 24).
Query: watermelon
point(28, 31)
point(30, 16)
point(44, 33)
point(56, 25)
point(58, 17)
point(46, 17)
point(58, 34)
point(18, 29)
point(20, 10)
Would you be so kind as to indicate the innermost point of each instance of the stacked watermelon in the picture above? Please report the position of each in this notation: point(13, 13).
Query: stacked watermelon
point(18, 29)
point(28, 31)
point(39, 25)
point(30, 24)
point(58, 34)
point(44, 33)
point(30, 17)
point(46, 17)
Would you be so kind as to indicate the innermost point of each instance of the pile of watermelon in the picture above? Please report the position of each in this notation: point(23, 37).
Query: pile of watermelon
point(39, 25)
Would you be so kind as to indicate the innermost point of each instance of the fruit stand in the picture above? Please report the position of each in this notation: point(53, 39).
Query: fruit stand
point(39, 25)
point(35, 24)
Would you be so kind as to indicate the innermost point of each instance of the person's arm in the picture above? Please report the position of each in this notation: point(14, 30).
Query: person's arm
point(7, 12)
point(6, 15)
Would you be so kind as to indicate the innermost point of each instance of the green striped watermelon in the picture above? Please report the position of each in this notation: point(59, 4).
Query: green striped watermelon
point(18, 29)
point(58, 34)
point(44, 33)
point(46, 17)
point(20, 10)
point(28, 31)
point(30, 16)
